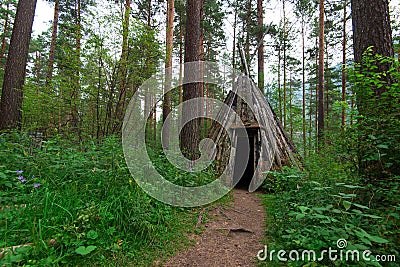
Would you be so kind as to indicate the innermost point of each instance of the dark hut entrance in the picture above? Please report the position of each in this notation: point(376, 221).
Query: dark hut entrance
point(245, 163)
point(269, 146)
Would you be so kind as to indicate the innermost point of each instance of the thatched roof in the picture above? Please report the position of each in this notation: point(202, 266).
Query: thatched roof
point(273, 149)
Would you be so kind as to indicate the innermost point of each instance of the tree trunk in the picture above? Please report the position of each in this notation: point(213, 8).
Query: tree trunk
point(234, 40)
point(14, 77)
point(344, 46)
point(3, 41)
point(168, 71)
point(316, 93)
point(50, 64)
point(371, 26)
point(303, 82)
point(327, 76)
point(321, 78)
point(120, 107)
point(190, 133)
point(261, 46)
point(201, 58)
point(249, 4)
point(38, 60)
point(279, 82)
point(284, 66)
point(180, 58)
point(76, 89)
point(290, 105)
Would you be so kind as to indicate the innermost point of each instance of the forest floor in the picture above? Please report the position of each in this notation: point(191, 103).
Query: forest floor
point(231, 236)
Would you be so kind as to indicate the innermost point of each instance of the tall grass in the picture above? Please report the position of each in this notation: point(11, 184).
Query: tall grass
point(87, 209)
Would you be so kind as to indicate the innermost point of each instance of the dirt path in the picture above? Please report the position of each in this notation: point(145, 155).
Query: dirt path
point(231, 237)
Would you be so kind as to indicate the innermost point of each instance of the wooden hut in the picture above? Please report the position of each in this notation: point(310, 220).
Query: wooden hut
point(253, 133)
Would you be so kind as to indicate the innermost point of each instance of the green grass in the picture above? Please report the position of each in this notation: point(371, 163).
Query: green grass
point(86, 201)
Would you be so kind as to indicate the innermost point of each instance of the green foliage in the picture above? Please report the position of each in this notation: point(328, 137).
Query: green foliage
point(86, 207)
point(286, 179)
point(377, 85)
point(326, 205)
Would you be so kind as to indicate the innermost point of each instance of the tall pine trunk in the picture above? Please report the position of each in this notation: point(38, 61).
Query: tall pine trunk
point(372, 28)
point(303, 83)
point(50, 64)
point(76, 87)
point(14, 76)
point(248, 29)
point(190, 133)
point(121, 103)
point(260, 38)
point(3, 40)
point(168, 71)
point(284, 66)
point(234, 39)
point(344, 46)
point(321, 69)
point(180, 58)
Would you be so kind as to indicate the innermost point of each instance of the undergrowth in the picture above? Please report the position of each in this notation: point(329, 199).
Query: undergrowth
point(77, 205)
point(314, 208)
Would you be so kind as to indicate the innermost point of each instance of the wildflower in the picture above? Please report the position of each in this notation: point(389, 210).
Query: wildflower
point(36, 185)
point(21, 179)
point(19, 172)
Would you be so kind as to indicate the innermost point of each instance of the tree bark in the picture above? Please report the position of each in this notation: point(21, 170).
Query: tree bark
point(50, 64)
point(371, 26)
point(120, 107)
point(284, 65)
point(180, 58)
point(234, 39)
point(3, 41)
point(303, 83)
point(279, 81)
point(76, 89)
point(261, 46)
point(321, 76)
point(190, 133)
point(14, 77)
point(249, 4)
point(344, 46)
point(168, 71)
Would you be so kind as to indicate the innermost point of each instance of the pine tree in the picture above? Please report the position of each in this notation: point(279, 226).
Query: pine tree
point(190, 133)
point(14, 77)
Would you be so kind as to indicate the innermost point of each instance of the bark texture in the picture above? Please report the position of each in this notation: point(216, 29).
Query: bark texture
point(14, 77)
point(321, 71)
point(189, 138)
point(50, 64)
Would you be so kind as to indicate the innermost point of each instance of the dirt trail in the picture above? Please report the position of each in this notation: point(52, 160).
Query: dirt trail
point(231, 237)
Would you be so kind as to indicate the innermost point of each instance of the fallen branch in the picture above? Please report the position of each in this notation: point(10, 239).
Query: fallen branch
point(7, 250)
point(238, 211)
point(236, 229)
point(199, 219)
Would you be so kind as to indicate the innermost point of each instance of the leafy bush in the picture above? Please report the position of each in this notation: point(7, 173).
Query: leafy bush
point(314, 209)
point(377, 130)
